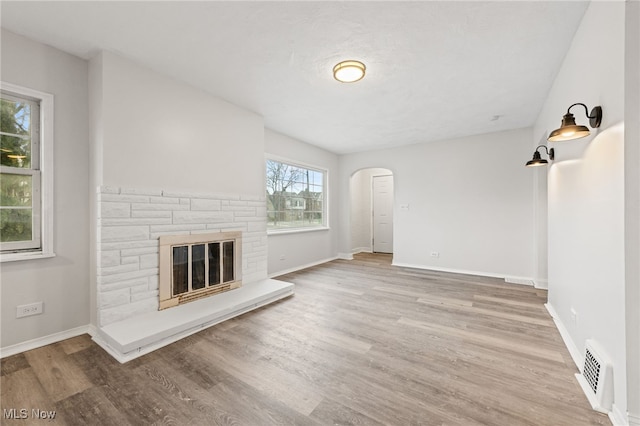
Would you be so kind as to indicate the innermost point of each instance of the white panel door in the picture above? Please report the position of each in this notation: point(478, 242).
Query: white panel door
point(383, 214)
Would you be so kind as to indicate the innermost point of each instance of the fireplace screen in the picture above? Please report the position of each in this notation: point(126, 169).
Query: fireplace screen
point(195, 266)
point(209, 265)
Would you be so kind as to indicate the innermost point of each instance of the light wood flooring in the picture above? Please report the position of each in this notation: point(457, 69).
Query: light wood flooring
point(360, 343)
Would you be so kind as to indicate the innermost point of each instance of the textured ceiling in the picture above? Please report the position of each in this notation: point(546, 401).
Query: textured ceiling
point(435, 70)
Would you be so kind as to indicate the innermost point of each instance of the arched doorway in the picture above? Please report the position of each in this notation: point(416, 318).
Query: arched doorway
point(371, 198)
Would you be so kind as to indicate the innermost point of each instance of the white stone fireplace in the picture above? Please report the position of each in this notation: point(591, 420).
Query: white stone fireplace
point(134, 223)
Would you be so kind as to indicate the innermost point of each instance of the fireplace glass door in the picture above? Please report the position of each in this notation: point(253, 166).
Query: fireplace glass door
point(200, 266)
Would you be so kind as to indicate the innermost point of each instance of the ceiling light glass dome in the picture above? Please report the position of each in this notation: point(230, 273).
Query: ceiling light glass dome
point(349, 71)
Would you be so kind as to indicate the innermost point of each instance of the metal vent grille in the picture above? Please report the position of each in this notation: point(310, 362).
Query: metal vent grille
point(591, 371)
point(596, 378)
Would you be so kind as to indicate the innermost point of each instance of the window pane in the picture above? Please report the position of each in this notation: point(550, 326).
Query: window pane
point(15, 190)
point(16, 222)
point(294, 174)
point(15, 151)
point(16, 225)
point(312, 218)
point(295, 196)
point(317, 178)
point(15, 140)
point(15, 117)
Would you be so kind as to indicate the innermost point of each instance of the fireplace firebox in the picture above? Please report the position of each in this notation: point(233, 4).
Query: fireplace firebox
point(199, 265)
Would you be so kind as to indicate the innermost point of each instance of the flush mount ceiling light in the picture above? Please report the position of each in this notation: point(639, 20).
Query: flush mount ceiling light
point(569, 130)
point(349, 71)
point(537, 161)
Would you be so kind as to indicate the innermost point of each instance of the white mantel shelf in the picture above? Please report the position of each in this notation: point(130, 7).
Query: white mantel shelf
point(139, 335)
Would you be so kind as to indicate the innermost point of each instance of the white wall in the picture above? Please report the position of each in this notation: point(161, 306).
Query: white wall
point(540, 216)
point(96, 138)
point(303, 248)
point(361, 189)
point(632, 207)
point(62, 283)
point(586, 191)
point(470, 199)
point(161, 133)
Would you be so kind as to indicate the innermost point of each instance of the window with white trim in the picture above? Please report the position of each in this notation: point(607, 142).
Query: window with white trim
point(25, 220)
point(296, 196)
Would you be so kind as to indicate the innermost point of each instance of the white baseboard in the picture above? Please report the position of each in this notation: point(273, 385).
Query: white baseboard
point(633, 420)
point(345, 256)
point(519, 280)
point(542, 284)
point(618, 418)
point(576, 355)
point(43, 341)
point(305, 266)
point(452, 270)
point(509, 279)
point(93, 330)
point(358, 250)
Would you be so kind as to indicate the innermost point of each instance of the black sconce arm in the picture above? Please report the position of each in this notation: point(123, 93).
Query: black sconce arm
point(595, 118)
point(550, 152)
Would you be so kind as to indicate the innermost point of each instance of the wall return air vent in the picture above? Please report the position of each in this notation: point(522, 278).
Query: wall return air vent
point(596, 378)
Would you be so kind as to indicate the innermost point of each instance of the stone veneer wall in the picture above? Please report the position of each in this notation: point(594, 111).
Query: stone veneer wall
point(130, 222)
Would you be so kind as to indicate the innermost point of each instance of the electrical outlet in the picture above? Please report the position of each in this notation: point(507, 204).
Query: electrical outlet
point(435, 254)
point(574, 316)
point(28, 310)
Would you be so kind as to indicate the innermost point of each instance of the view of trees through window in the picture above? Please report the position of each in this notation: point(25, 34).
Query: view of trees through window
point(295, 196)
point(17, 174)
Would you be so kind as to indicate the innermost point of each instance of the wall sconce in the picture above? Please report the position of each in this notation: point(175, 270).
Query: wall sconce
point(569, 130)
point(537, 160)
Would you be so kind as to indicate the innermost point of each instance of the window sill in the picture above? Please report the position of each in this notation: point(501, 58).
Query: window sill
point(295, 231)
point(29, 255)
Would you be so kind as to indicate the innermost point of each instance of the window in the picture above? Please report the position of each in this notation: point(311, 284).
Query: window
point(296, 196)
point(25, 173)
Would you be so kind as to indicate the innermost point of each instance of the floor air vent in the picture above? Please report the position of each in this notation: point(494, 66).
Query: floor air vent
point(597, 378)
